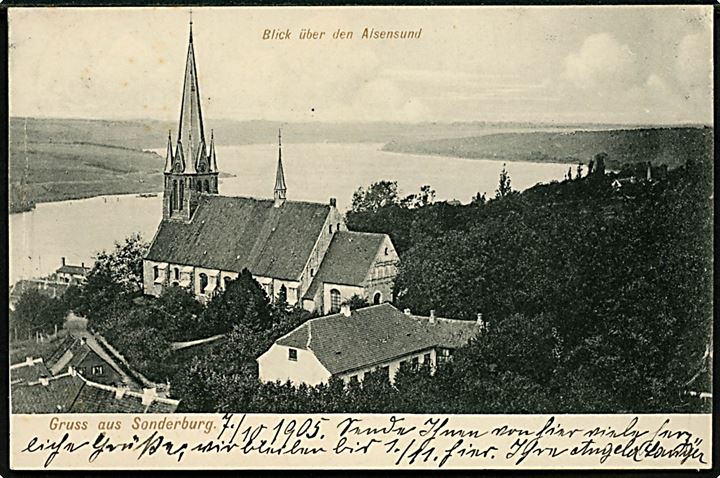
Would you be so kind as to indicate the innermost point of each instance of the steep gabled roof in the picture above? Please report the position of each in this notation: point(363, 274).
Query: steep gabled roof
point(232, 233)
point(348, 259)
point(373, 335)
point(28, 371)
point(72, 393)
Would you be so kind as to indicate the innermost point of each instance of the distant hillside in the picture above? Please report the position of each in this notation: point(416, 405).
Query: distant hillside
point(59, 171)
point(151, 134)
point(671, 146)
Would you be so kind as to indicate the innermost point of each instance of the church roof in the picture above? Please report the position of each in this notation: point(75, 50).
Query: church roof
point(348, 259)
point(374, 335)
point(233, 233)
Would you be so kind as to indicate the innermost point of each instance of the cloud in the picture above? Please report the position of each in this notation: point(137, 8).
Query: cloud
point(693, 63)
point(602, 62)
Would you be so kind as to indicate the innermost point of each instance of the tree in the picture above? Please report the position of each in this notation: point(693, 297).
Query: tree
point(479, 199)
point(376, 196)
point(243, 303)
point(178, 314)
point(425, 197)
point(124, 264)
point(36, 312)
point(356, 302)
point(504, 187)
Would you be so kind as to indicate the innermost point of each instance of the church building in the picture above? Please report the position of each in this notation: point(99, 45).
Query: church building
point(301, 249)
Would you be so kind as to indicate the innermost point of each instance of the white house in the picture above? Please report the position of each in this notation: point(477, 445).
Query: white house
point(351, 343)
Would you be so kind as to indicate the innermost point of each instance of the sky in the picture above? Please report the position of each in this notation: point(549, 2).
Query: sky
point(612, 64)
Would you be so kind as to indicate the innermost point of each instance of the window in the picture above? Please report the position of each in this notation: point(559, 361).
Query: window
point(330, 228)
point(426, 358)
point(174, 196)
point(312, 272)
point(416, 360)
point(198, 186)
point(177, 273)
point(377, 298)
point(182, 195)
point(203, 282)
point(386, 251)
point(386, 370)
point(207, 186)
point(335, 299)
point(353, 378)
point(338, 227)
point(156, 272)
point(226, 281)
point(97, 370)
point(292, 355)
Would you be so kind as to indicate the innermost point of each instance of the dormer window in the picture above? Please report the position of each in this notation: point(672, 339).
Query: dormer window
point(387, 251)
point(312, 272)
point(330, 228)
point(292, 355)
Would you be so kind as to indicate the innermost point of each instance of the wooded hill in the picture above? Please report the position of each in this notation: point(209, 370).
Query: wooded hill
point(670, 146)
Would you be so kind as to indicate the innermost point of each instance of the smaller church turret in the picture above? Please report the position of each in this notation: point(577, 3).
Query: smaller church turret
point(280, 186)
point(191, 170)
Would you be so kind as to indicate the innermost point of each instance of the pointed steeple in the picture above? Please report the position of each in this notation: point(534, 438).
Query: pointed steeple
point(191, 133)
point(280, 186)
point(211, 155)
point(169, 154)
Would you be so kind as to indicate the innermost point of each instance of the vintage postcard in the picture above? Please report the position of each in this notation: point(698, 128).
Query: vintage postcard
point(361, 237)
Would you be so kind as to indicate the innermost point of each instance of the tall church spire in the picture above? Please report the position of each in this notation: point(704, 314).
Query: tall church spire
point(191, 132)
point(190, 171)
point(280, 186)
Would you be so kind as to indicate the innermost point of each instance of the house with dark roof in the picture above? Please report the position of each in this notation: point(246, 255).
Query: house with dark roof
point(83, 353)
point(71, 392)
point(71, 274)
point(302, 250)
point(351, 343)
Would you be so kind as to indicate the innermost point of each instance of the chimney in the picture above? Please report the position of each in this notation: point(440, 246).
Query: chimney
point(63, 261)
point(120, 392)
point(72, 371)
point(83, 340)
point(148, 395)
point(480, 321)
point(333, 202)
point(29, 361)
point(82, 264)
point(44, 381)
point(432, 316)
point(345, 310)
point(407, 312)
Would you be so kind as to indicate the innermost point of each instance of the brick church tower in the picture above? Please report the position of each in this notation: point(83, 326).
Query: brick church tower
point(191, 167)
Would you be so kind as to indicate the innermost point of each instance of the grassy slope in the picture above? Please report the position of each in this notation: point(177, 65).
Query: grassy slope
point(671, 146)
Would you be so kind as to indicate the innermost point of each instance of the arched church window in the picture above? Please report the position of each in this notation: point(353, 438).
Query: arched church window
point(198, 186)
point(377, 298)
point(182, 194)
point(203, 282)
point(174, 197)
point(207, 186)
point(335, 299)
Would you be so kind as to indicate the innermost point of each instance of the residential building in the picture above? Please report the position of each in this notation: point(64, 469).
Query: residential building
point(70, 392)
point(350, 344)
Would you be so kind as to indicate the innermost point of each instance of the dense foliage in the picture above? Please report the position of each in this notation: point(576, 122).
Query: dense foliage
point(597, 295)
point(598, 298)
